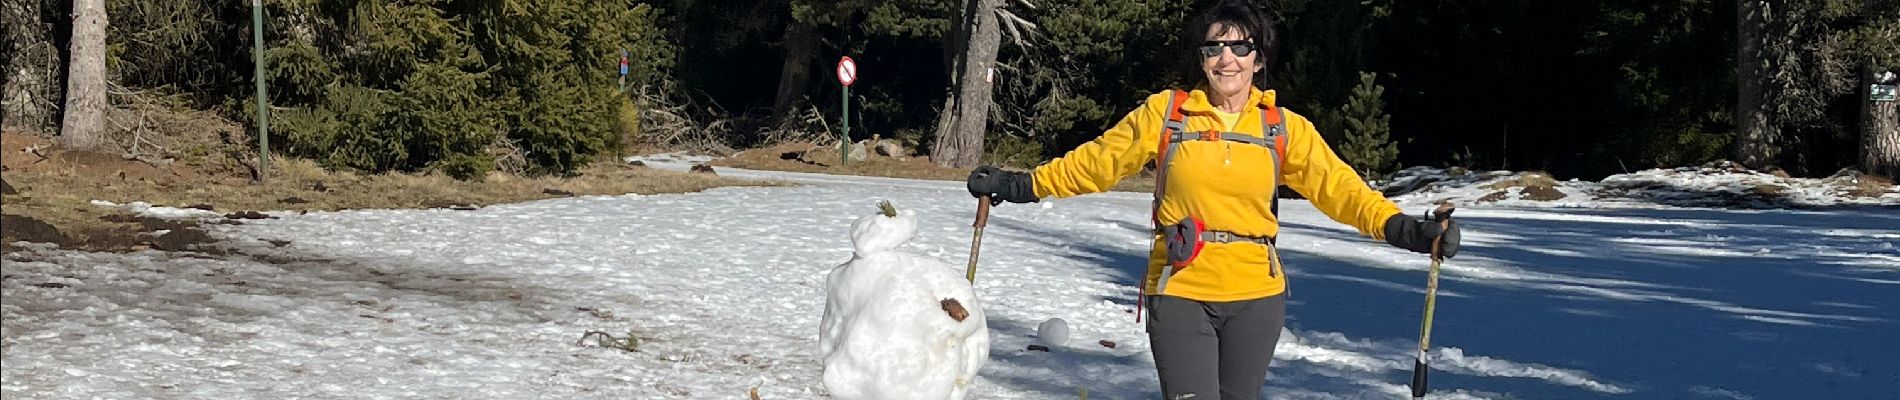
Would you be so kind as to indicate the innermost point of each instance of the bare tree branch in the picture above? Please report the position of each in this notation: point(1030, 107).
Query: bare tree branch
point(1016, 26)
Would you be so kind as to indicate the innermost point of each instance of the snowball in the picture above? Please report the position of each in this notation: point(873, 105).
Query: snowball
point(1054, 332)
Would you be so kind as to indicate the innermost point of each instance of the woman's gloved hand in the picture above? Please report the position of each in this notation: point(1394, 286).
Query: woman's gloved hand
point(1001, 186)
point(1415, 234)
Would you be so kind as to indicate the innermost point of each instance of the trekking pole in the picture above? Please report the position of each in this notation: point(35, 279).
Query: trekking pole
point(1431, 301)
point(976, 241)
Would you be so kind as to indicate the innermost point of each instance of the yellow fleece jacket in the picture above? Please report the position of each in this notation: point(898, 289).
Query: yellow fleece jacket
point(1228, 185)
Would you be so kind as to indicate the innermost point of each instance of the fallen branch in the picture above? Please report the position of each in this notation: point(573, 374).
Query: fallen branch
point(666, 118)
point(809, 125)
point(164, 164)
point(257, 175)
point(35, 150)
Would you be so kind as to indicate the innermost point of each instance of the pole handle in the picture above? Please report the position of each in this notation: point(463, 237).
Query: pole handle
point(1439, 242)
point(1444, 224)
point(982, 212)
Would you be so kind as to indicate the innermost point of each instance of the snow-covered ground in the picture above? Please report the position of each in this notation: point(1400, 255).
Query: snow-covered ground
point(725, 289)
point(1718, 184)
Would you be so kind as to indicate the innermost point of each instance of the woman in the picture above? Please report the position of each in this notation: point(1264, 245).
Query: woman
point(1214, 287)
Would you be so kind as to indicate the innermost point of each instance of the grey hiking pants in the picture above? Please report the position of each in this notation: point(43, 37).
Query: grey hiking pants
point(1214, 350)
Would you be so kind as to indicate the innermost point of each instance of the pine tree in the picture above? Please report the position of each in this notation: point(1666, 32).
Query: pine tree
point(1367, 138)
point(418, 85)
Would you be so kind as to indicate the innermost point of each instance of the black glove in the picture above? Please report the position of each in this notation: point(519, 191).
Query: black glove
point(1411, 233)
point(1001, 186)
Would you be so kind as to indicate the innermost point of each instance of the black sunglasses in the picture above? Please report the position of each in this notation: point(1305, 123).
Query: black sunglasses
point(1211, 48)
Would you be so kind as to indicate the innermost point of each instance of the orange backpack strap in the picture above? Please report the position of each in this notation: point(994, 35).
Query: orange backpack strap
point(1273, 125)
point(1175, 126)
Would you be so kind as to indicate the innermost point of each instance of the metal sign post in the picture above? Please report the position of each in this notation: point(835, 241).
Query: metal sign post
point(263, 103)
point(847, 74)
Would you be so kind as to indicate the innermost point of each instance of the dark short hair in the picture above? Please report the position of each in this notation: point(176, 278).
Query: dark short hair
point(1257, 25)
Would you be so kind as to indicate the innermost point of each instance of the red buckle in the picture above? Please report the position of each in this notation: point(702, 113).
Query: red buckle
point(1210, 135)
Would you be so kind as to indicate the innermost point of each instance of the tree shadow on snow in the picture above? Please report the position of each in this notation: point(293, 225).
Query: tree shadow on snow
point(1564, 303)
point(1116, 263)
point(1080, 364)
point(1670, 303)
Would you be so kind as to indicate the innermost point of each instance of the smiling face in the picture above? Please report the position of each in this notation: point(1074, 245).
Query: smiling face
point(1229, 60)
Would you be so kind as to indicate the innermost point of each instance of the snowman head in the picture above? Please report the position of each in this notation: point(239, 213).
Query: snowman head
point(877, 233)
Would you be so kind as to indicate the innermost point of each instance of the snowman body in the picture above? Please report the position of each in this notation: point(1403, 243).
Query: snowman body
point(885, 333)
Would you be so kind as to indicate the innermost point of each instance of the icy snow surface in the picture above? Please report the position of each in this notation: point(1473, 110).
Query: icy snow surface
point(144, 209)
point(725, 290)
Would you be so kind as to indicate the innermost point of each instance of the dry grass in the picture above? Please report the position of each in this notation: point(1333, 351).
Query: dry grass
point(57, 190)
point(1534, 186)
point(345, 190)
point(1768, 190)
point(1526, 180)
point(1870, 186)
point(302, 185)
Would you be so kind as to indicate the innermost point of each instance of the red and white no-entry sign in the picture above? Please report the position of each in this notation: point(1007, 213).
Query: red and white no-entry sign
point(847, 71)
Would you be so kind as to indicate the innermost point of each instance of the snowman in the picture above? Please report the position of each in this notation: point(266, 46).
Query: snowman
point(898, 326)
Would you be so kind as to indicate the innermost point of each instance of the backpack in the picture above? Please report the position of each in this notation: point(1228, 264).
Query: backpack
point(1185, 239)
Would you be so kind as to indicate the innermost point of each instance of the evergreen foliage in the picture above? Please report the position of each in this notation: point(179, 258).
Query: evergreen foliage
point(464, 87)
point(1367, 143)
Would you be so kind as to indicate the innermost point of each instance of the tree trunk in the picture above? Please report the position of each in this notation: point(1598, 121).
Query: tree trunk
point(1755, 145)
point(31, 75)
point(1756, 133)
point(1879, 131)
point(801, 41)
point(965, 118)
point(85, 122)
